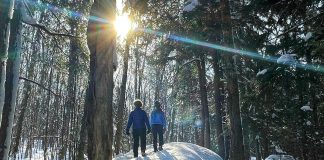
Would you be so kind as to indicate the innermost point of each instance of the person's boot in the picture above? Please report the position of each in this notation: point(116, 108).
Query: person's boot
point(143, 153)
point(135, 154)
point(160, 148)
point(155, 148)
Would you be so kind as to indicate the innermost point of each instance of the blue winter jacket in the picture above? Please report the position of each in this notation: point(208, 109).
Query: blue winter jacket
point(158, 117)
point(138, 118)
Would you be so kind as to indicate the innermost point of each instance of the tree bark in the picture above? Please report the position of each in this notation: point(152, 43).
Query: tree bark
point(6, 12)
point(237, 146)
point(172, 128)
point(71, 88)
point(11, 85)
point(26, 95)
point(48, 102)
point(101, 43)
point(218, 107)
point(83, 130)
point(136, 73)
point(121, 103)
point(204, 102)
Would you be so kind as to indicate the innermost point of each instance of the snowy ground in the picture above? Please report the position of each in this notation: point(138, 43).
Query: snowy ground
point(175, 151)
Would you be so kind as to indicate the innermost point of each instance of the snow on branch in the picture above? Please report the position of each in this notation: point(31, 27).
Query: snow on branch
point(262, 72)
point(28, 80)
point(306, 108)
point(191, 6)
point(28, 19)
point(287, 59)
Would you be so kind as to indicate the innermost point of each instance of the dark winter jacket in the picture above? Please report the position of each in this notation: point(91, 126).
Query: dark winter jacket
point(158, 117)
point(138, 118)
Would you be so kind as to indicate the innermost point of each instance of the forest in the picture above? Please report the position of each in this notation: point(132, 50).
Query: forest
point(242, 78)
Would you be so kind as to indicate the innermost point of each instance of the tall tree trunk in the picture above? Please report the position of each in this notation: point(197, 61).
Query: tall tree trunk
point(314, 105)
point(257, 148)
point(83, 131)
point(172, 128)
point(158, 81)
point(48, 102)
point(6, 11)
point(136, 73)
point(204, 102)
point(237, 147)
point(218, 106)
point(121, 103)
point(71, 97)
point(140, 77)
point(11, 85)
point(102, 44)
point(26, 95)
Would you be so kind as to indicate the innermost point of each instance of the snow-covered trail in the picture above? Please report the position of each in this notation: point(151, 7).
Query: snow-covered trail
point(174, 151)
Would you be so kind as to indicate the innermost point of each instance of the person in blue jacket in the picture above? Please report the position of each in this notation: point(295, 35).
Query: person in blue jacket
point(139, 119)
point(158, 124)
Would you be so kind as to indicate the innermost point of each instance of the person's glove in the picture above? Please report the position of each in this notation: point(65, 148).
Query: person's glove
point(148, 130)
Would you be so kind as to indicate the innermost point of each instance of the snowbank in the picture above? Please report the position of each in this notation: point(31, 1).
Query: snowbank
point(175, 151)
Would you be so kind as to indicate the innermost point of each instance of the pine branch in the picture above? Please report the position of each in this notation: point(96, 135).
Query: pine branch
point(298, 25)
point(28, 80)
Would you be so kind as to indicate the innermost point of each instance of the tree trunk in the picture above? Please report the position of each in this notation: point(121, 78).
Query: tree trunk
point(11, 85)
point(204, 101)
point(257, 148)
point(6, 11)
point(83, 131)
point(160, 70)
point(136, 73)
point(71, 97)
point(121, 103)
point(173, 116)
point(237, 147)
point(314, 105)
point(48, 102)
point(218, 107)
point(26, 95)
point(102, 44)
point(141, 74)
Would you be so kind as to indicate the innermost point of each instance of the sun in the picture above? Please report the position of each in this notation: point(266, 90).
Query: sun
point(122, 25)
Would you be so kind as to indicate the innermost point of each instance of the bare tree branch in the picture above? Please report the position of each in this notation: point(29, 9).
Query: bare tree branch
point(28, 19)
point(49, 32)
point(28, 80)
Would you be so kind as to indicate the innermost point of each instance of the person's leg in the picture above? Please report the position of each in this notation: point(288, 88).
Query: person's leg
point(154, 132)
point(143, 140)
point(136, 142)
point(160, 132)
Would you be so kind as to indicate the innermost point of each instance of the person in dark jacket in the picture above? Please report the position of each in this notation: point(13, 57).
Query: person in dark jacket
point(158, 124)
point(139, 119)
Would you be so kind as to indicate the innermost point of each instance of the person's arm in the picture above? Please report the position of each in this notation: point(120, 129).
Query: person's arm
point(147, 123)
point(151, 119)
point(129, 123)
point(164, 121)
